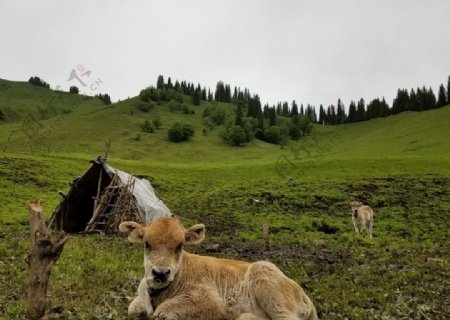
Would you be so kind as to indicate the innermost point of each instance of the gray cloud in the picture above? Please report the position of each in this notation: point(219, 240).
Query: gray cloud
point(310, 51)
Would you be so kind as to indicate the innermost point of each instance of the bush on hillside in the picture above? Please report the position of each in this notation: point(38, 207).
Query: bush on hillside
point(147, 127)
point(196, 97)
point(145, 107)
point(104, 97)
point(299, 126)
point(74, 89)
point(180, 108)
point(180, 132)
point(36, 81)
point(235, 136)
point(157, 123)
point(214, 115)
point(276, 135)
point(163, 94)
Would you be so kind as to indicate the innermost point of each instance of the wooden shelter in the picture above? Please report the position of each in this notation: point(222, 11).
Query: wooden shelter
point(103, 197)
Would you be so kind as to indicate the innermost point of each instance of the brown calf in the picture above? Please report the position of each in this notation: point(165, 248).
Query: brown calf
point(362, 217)
point(179, 285)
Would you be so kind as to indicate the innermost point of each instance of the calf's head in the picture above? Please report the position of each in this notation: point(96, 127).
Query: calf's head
point(355, 205)
point(163, 242)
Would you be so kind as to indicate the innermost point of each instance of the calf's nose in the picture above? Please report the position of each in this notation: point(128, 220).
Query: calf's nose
point(161, 273)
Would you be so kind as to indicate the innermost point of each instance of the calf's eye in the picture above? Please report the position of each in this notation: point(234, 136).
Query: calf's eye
point(147, 246)
point(179, 248)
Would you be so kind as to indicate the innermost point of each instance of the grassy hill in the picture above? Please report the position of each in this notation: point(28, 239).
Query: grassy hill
point(399, 165)
point(81, 125)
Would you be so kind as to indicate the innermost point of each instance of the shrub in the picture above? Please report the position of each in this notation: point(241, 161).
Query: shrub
point(276, 135)
point(180, 132)
point(196, 97)
point(163, 94)
point(149, 94)
point(180, 107)
point(188, 130)
point(259, 134)
point(235, 135)
point(74, 89)
point(273, 134)
point(145, 107)
point(36, 81)
point(104, 97)
point(147, 127)
point(157, 122)
point(300, 126)
point(215, 115)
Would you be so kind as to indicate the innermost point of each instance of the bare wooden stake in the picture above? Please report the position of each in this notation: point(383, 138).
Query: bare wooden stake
point(266, 236)
point(43, 254)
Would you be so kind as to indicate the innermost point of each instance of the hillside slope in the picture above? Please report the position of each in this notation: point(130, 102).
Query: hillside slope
point(81, 125)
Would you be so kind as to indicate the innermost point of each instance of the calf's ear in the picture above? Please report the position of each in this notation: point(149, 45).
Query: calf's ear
point(134, 229)
point(195, 234)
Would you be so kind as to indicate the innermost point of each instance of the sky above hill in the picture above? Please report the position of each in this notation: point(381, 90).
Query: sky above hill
point(312, 51)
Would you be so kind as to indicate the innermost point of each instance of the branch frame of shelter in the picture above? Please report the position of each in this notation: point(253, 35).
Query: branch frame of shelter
point(103, 197)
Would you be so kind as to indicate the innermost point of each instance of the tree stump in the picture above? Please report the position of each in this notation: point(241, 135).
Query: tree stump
point(43, 254)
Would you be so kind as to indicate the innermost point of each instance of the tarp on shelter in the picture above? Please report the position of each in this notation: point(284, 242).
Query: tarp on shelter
point(121, 196)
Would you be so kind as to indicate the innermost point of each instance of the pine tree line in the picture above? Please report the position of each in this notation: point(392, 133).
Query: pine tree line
point(36, 81)
point(421, 99)
point(250, 104)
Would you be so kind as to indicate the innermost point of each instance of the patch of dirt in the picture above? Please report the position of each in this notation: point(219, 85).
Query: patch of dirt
point(255, 252)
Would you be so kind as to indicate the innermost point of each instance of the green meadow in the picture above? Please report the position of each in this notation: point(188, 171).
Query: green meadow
point(399, 165)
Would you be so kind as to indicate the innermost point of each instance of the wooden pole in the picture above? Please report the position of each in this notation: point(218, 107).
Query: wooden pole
point(5, 148)
point(97, 197)
point(266, 236)
point(43, 254)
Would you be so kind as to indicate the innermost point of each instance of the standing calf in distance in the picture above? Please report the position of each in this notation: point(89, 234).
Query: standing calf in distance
point(362, 217)
point(178, 285)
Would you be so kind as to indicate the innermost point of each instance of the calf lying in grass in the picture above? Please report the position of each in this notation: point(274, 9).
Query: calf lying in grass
point(178, 285)
point(362, 217)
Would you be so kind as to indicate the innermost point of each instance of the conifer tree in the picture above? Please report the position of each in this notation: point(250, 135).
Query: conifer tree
point(401, 102)
point(227, 94)
point(160, 82)
point(352, 112)
point(196, 97)
point(272, 117)
point(312, 114)
point(442, 99)
point(285, 110)
point(279, 109)
point(294, 109)
point(340, 114)
point(448, 90)
point(266, 111)
point(412, 102)
point(361, 110)
point(239, 116)
point(322, 115)
point(430, 99)
point(204, 96)
point(384, 108)
point(210, 95)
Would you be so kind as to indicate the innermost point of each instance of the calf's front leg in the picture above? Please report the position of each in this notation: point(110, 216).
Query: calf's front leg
point(141, 303)
point(200, 303)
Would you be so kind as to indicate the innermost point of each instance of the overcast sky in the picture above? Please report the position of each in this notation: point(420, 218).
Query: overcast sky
point(312, 51)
